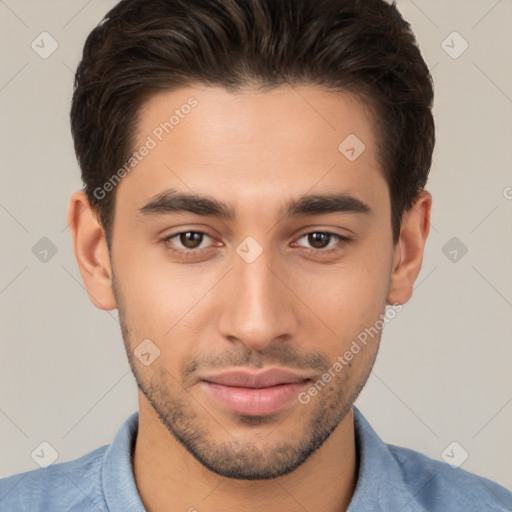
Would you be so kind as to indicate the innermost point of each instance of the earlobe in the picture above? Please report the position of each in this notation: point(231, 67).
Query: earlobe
point(91, 251)
point(408, 255)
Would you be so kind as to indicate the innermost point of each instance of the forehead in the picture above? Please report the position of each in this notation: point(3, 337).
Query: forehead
point(249, 116)
point(251, 143)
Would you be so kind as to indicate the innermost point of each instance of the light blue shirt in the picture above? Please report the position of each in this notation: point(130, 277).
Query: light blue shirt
point(390, 478)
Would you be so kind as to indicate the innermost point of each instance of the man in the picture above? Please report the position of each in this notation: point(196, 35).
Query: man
point(254, 204)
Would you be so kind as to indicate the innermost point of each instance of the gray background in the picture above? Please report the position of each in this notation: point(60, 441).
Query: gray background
point(443, 373)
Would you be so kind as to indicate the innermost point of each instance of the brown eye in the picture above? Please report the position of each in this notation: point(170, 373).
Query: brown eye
point(323, 242)
point(319, 240)
point(186, 242)
point(191, 239)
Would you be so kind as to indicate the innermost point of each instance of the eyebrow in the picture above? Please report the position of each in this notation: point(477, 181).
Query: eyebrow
point(172, 201)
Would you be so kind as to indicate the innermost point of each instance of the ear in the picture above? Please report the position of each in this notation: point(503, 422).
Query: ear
point(408, 254)
point(91, 251)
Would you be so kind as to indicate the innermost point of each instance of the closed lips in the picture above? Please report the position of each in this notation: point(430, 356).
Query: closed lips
point(259, 380)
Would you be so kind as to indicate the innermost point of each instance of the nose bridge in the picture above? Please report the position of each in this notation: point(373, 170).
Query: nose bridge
point(259, 309)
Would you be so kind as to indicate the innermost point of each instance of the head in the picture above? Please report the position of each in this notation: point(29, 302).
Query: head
point(254, 176)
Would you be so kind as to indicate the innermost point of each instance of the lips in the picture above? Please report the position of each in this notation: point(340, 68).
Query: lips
point(255, 394)
point(263, 379)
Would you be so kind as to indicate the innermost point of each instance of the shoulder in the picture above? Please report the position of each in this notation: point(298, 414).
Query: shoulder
point(437, 485)
point(66, 486)
point(397, 478)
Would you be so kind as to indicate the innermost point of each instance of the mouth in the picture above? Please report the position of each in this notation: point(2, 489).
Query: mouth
point(255, 394)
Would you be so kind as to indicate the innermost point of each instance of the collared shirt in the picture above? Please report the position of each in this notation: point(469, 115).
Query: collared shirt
point(390, 478)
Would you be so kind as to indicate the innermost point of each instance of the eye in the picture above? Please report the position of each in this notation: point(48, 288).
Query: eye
point(190, 241)
point(320, 240)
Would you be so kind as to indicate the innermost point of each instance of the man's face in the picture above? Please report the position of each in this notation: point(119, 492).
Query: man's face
point(292, 296)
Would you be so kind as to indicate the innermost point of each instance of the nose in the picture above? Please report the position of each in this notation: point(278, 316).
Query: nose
point(259, 307)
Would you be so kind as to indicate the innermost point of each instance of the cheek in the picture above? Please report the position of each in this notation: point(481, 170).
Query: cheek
point(163, 300)
point(348, 296)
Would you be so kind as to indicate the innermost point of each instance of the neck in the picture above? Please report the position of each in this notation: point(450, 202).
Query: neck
point(169, 478)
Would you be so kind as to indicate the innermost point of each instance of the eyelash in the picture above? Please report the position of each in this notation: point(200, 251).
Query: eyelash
point(192, 252)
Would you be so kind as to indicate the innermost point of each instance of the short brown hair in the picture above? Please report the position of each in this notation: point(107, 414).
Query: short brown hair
point(360, 46)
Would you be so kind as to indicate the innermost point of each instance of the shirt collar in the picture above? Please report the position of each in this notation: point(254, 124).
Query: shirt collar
point(379, 485)
point(117, 477)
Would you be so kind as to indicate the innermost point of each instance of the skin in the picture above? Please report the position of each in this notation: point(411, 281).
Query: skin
point(293, 307)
